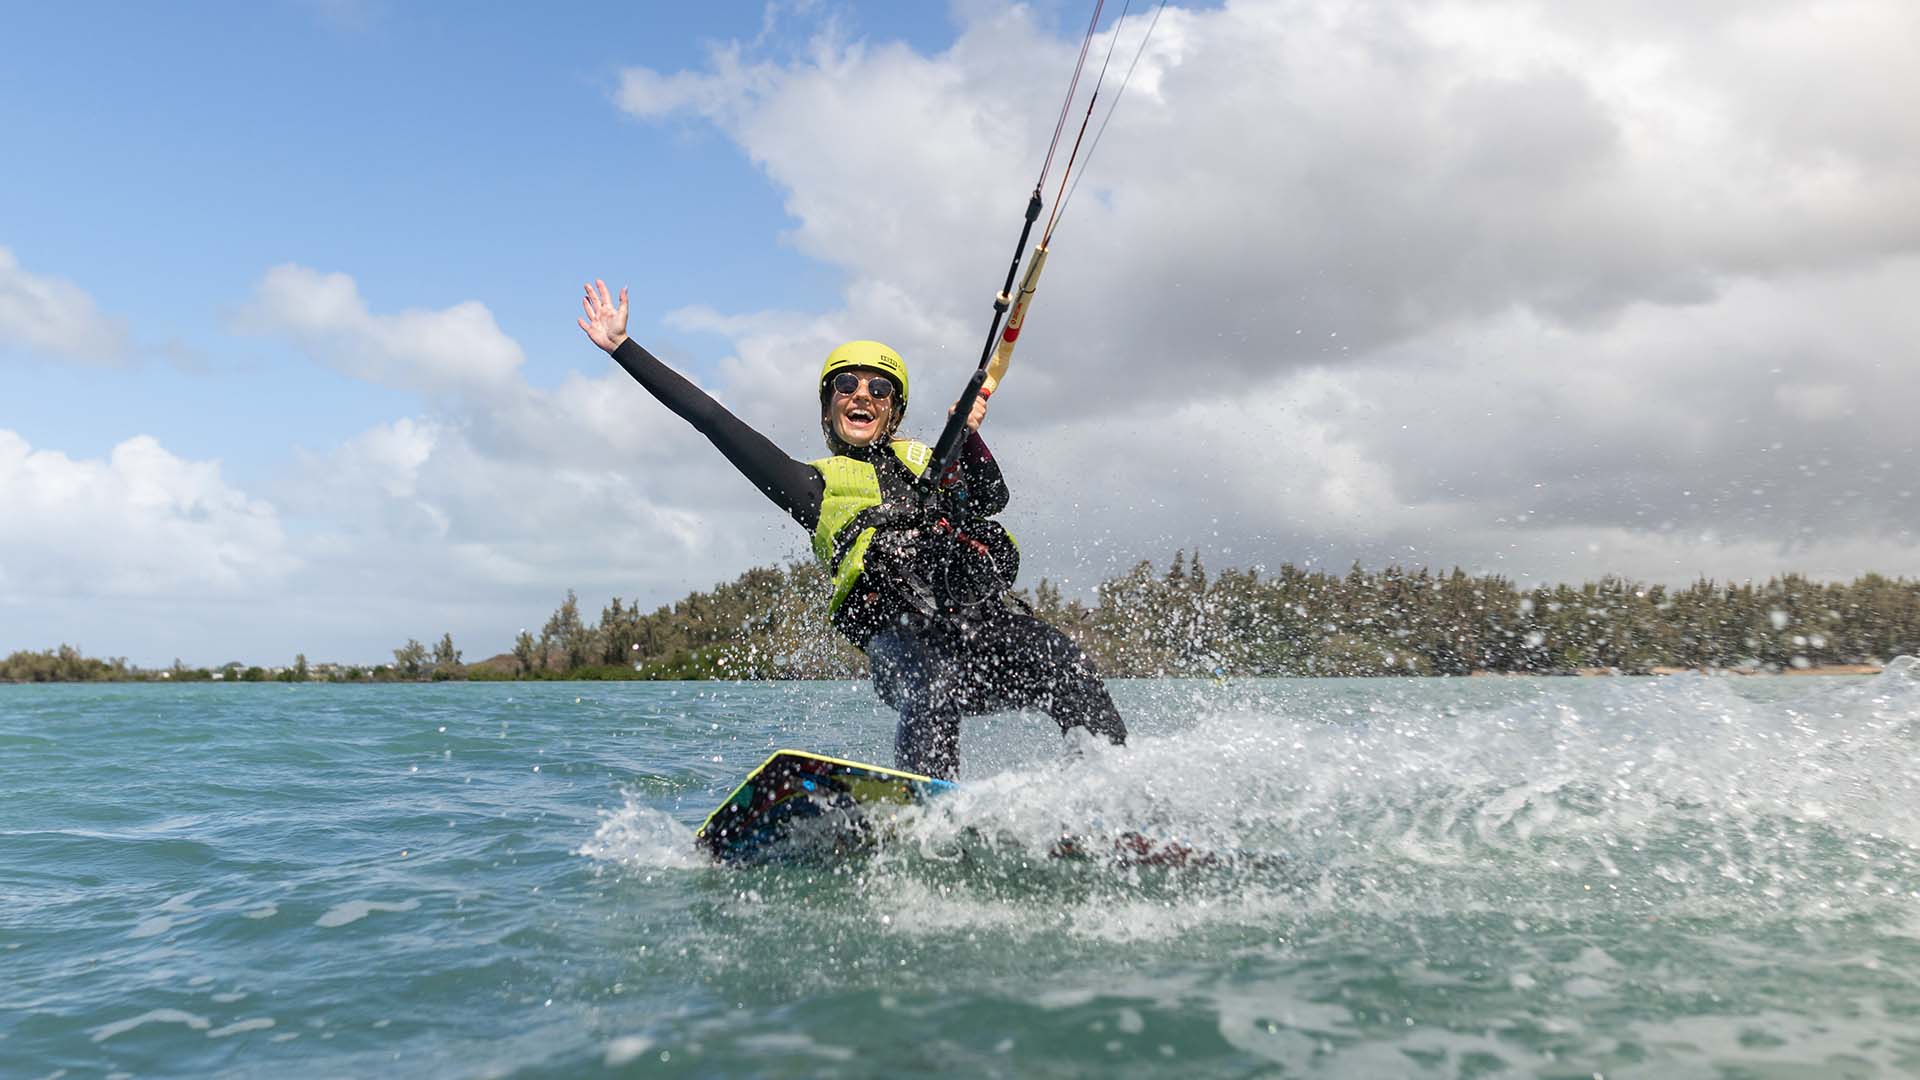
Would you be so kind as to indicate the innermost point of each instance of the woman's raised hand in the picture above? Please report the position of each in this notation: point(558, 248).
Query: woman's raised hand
point(605, 323)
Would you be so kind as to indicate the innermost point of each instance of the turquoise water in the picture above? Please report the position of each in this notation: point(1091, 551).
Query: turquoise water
point(1627, 877)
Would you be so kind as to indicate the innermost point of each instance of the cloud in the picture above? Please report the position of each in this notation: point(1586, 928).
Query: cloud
point(1760, 433)
point(141, 523)
point(650, 95)
point(472, 517)
point(478, 514)
point(1372, 172)
point(472, 521)
point(501, 515)
point(1549, 290)
point(456, 350)
point(1561, 287)
point(55, 316)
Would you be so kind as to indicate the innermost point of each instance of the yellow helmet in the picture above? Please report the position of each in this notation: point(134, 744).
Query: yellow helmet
point(872, 356)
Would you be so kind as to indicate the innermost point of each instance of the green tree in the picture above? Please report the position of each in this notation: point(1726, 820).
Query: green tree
point(446, 658)
point(569, 633)
point(617, 632)
point(523, 647)
point(561, 626)
point(410, 659)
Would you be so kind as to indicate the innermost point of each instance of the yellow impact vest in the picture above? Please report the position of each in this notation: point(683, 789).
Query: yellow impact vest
point(853, 486)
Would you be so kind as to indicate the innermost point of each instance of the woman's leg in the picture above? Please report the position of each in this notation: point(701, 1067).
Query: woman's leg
point(910, 673)
point(1018, 660)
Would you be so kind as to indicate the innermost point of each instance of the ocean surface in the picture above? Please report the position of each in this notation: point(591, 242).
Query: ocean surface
point(1678, 877)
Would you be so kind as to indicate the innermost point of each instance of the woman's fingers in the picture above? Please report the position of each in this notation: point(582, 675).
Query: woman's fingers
point(604, 323)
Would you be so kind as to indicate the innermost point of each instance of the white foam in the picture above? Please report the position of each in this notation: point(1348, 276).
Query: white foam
point(780, 1042)
point(627, 1048)
point(153, 927)
point(156, 1016)
point(1795, 1045)
point(354, 910)
point(258, 1023)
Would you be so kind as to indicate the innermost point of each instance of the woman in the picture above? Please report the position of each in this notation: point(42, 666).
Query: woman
point(920, 572)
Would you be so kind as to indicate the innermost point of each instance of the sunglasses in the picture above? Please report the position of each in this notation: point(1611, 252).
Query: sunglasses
point(879, 387)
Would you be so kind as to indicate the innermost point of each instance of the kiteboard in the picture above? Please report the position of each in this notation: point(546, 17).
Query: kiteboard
point(804, 807)
point(798, 805)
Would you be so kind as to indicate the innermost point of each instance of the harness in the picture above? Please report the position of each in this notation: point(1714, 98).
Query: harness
point(874, 525)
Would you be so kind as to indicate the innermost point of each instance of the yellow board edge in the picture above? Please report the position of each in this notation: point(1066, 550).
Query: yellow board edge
point(728, 801)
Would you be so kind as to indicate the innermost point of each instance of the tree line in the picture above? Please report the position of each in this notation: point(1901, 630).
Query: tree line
point(770, 624)
point(1295, 621)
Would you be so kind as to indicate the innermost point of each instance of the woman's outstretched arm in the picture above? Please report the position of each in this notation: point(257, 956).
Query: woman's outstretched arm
point(794, 486)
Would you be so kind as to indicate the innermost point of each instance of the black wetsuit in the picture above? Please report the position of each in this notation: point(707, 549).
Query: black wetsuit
point(934, 667)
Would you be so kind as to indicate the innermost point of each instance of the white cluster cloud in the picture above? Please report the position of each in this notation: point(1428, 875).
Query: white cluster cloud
point(471, 518)
point(140, 523)
point(49, 315)
point(458, 350)
point(487, 508)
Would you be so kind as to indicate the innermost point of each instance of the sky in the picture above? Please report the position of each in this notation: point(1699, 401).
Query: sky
point(1545, 288)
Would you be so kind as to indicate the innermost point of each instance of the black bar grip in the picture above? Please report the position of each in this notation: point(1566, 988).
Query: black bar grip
point(947, 450)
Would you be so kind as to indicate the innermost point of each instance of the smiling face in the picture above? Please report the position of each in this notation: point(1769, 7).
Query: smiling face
point(859, 418)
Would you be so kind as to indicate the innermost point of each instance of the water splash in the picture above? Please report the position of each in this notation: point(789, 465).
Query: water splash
point(642, 837)
point(1688, 797)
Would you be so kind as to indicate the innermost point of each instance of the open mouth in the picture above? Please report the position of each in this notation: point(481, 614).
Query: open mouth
point(859, 416)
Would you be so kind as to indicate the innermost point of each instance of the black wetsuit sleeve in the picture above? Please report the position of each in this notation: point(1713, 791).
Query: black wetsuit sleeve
point(794, 486)
point(986, 488)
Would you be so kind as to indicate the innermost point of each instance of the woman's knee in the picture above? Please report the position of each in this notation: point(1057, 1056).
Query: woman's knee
point(900, 668)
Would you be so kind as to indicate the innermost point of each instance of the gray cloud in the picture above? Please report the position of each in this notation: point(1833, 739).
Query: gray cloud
point(1430, 282)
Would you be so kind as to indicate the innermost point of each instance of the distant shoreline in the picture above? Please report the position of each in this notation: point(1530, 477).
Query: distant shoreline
point(1816, 669)
point(1582, 673)
point(1286, 621)
point(1663, 669)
